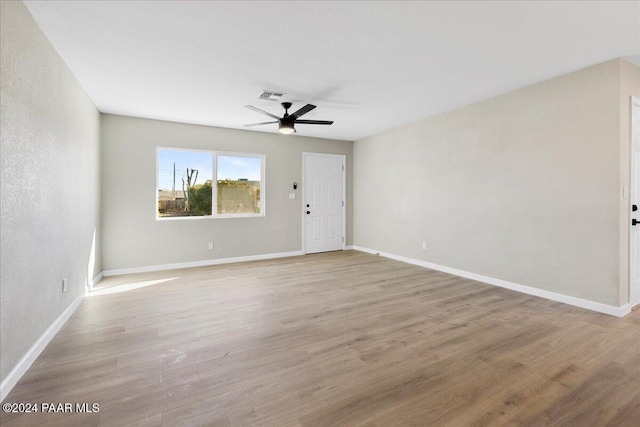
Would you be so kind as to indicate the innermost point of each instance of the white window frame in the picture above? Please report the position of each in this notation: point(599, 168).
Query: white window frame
point(214, 186)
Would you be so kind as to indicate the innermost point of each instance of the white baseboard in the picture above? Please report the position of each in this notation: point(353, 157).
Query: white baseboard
point(203, 263)
point(92, 284)
point(348, 247)
point(32, 354)
point(578, 302)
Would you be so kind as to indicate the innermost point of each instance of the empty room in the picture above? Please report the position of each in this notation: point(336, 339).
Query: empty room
point(313, 213)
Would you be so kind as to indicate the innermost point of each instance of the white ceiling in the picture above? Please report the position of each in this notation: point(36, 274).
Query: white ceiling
point(370, 66)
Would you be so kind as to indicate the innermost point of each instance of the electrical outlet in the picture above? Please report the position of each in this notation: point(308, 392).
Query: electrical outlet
point(210, 246)
point(424, 245)
point(64, 285)
point(292, 196)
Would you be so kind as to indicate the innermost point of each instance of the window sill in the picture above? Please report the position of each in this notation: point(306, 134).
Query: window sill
point(220, 216)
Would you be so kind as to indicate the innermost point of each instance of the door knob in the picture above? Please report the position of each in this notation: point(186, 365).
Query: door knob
point(308, 212)
point(633, 207)
point(635, 222)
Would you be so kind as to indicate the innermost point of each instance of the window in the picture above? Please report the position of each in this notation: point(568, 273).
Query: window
point(238, 186)
point(185, 184)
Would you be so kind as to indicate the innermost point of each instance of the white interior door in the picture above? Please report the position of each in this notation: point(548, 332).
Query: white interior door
point(634, 240)
point(324, 210)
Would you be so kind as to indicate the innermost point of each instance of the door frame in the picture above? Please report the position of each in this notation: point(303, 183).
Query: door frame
point(306, 154)
point(634, 294)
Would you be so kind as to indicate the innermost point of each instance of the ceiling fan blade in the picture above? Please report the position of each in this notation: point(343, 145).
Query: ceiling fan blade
point(257, 110)
point(303, 110)
point(259, 124)
point(314, 122)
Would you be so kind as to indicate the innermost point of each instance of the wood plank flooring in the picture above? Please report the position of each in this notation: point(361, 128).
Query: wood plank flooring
point(334, 339)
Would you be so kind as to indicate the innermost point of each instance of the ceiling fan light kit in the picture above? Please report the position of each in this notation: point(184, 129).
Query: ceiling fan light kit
point(286, 128)
point(286, 123)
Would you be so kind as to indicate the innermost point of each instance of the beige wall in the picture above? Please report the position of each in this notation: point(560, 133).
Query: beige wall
point(523, 187)
point(50, 185)
point(134, 238)
point(629, 86)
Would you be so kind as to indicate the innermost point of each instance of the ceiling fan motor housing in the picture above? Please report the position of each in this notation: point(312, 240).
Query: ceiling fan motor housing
point(286, 124)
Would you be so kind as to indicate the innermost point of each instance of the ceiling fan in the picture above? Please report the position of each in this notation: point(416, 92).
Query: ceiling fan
point(286, 123)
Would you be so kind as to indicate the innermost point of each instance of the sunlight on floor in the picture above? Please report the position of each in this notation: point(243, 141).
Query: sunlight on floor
point(127, 287)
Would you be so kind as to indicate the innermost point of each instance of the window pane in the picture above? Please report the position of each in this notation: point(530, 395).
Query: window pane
point(184, 183)
point(239, 184)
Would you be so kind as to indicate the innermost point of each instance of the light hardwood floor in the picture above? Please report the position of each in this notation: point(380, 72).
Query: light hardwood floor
point(342, 338)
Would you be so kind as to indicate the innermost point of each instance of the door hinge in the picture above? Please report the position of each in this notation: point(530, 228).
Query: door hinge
point(342, 239)
point(343, 203)
point(342, 167)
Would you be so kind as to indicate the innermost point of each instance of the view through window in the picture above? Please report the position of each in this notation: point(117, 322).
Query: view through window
point(185, 184)
point(238, 181)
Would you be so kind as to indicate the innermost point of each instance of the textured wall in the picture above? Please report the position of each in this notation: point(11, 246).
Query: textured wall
point(50, 185)
point(522, 187)
point(134, 238)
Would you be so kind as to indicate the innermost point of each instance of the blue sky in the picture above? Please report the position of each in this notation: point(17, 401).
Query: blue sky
point(229, 167)
point(234, 168)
